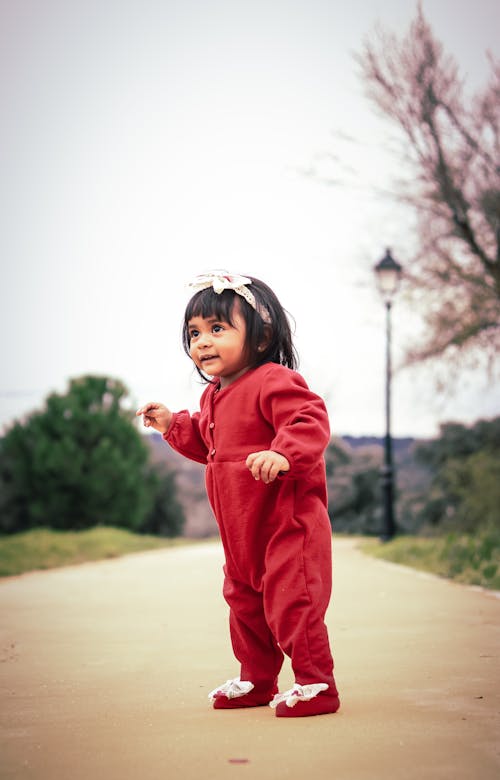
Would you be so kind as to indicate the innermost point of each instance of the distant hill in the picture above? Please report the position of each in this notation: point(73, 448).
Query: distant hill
point(365, 452)
point(354, 485)
point(403, 444)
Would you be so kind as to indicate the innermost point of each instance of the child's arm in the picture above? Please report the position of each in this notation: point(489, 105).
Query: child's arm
point(184, 436)
point(179, 429)
point(299, 418)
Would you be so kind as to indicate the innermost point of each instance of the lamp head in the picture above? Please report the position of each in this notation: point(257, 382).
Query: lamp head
point(388, 273)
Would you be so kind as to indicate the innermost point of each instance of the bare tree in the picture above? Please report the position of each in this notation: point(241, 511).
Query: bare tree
point(452, 143)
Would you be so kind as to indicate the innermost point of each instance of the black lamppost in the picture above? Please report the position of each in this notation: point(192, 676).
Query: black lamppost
point(388, 275)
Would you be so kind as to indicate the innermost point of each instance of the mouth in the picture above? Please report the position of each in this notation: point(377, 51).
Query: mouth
point(207, 358)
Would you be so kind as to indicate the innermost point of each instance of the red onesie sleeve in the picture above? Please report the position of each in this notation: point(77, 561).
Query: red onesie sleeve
point(184, 436)
point(299, 418)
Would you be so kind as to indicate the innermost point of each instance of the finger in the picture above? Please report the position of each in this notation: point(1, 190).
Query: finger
point(250, 463)
point(273, 472)
point(265, 471)
point(147, 408)
point(255, 470)
point(256, 466)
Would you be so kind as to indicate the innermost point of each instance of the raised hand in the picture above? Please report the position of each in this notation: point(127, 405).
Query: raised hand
point(155, 416)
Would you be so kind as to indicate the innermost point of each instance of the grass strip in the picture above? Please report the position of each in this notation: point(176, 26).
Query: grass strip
point(44, 548)
point(470, 559)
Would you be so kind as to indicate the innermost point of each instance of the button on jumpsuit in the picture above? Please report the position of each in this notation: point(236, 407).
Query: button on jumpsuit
point(276, 537)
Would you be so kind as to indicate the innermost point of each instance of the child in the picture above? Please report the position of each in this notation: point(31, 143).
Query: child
point(262, 434)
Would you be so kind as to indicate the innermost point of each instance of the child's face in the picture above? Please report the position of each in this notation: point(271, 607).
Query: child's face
point(218, 348)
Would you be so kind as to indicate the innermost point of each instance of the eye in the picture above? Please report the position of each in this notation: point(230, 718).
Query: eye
point(218, 328)
point(193, 333)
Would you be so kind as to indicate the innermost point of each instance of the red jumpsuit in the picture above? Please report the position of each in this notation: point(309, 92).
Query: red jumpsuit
point(276, 537)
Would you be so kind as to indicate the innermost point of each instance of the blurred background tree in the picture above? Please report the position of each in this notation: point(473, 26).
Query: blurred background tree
point(451, 146)
point(465, 490)
point(81, 462)
point(167, 517)
point(353, 487)
point(447, 484)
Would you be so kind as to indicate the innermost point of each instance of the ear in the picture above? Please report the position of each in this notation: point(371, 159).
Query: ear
point(266, 340)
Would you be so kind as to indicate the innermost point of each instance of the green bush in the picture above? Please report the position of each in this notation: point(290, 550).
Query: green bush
point(473, 559)
point(46, 549)
point(81, 462)
point(465, 493)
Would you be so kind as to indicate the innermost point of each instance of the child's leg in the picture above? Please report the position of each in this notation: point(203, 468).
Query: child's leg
point(297, 588)
point(253, 645)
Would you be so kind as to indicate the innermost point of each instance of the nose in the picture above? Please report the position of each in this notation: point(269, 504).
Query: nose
point(204, 339)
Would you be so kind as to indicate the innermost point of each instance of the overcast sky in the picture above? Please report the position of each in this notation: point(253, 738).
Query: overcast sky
point(145, 141)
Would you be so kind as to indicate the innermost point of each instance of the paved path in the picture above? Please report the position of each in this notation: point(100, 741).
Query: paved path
point(106, 668)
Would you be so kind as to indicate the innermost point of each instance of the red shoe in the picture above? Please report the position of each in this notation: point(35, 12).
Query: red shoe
point(237, 693)
point(304, 700)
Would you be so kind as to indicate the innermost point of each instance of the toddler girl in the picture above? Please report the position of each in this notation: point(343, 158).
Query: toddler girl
point(261, 433)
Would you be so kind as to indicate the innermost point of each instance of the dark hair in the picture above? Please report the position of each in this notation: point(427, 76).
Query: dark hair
point(277, 335)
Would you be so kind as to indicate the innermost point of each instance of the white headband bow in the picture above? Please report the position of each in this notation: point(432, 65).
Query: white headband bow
point(222, 280)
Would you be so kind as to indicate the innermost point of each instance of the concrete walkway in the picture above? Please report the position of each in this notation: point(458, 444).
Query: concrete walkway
point(106, 668)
